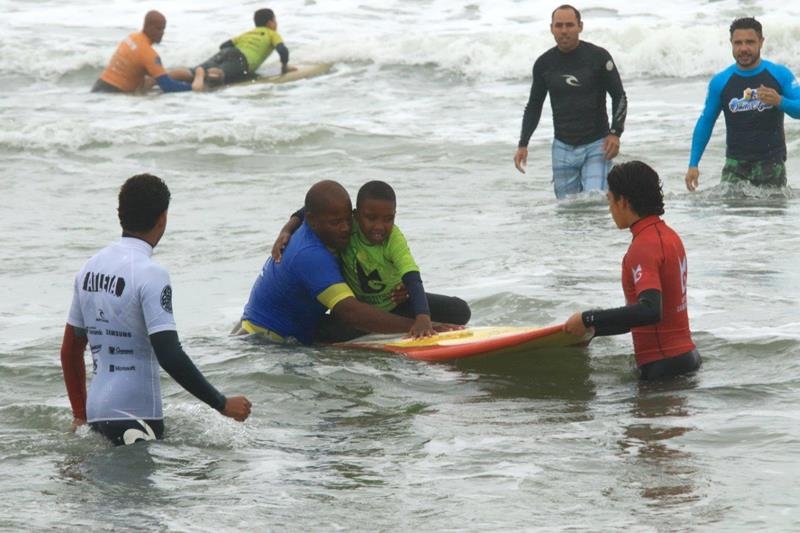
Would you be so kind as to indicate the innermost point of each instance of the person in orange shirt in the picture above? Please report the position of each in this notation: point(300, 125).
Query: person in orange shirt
point(135, 58)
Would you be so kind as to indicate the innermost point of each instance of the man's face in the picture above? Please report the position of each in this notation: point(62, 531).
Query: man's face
point(746, 45)
point(566, 29)
point(333, 224)
point(155, 29)
point(617, 208)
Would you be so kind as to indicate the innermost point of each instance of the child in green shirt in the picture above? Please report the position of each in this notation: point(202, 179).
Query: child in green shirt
point(379, 267)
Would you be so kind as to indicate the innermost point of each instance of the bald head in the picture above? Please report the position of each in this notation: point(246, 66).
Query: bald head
point(329, 213)
point(154, 25)
point(323, 194)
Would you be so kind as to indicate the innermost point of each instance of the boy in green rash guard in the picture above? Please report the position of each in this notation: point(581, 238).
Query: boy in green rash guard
point(379, 267)
point(239, 57)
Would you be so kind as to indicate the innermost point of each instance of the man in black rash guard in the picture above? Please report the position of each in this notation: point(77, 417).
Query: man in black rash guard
point(122, 307)
point(577, 75)
point(654, 279)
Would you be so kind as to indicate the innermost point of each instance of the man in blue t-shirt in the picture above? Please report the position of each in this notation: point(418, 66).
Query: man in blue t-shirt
point(754, 94)
point(289, 299)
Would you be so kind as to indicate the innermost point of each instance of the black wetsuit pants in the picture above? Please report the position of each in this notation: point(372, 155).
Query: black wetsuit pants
point(447, 309)
point(674, 366)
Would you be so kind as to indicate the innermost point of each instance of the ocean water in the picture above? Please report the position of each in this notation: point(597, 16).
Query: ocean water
point(427, 95)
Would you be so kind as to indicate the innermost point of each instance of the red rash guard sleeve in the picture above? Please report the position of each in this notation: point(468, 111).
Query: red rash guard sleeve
point(74, 368)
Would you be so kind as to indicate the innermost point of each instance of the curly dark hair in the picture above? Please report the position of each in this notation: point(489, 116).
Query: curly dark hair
point(746, 23)
point(640, 185)
point(142, 199)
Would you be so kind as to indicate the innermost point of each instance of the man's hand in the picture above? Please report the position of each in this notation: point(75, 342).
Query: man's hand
point(237, 407)
point(692, 178)
point(611, 146)
point(76, 423)
point(399, 294)
point(574, 325)
point(521, 159)
point(422, 327)
point(769, 96)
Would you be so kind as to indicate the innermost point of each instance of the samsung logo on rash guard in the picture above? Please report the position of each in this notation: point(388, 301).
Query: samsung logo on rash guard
point(117, 368)
point(116, 350)
point(99, 282)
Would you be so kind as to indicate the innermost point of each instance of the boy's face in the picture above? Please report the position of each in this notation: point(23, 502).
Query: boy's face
point(376, 219)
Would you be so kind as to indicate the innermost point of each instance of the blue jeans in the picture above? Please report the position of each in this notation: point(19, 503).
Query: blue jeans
point(579, 168)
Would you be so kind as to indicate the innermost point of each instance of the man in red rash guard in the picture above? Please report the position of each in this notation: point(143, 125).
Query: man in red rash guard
point(654, 274)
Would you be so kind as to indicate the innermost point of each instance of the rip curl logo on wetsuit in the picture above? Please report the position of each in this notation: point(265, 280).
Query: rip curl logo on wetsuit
point(748, 102)
point(166, 299)
point(571, 80)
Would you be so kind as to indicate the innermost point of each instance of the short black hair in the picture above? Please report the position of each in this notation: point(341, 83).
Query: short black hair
point(142, 199)
point(747, 23)
point(640, 185)
point(262, 16)
point(566, 6)
point(375, 190)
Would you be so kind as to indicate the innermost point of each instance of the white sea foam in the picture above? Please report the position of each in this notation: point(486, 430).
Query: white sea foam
point(486, 40)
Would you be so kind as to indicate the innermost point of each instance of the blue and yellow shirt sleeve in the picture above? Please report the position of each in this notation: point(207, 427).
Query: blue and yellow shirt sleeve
point(325, 280)
point(335, 294)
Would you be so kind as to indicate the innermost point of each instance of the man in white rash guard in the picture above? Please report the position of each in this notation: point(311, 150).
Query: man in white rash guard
point(122, 307)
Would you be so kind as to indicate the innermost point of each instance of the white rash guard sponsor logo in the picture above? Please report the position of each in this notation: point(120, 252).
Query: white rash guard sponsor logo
point(166, 299)
point(99, 282)
point(571, 80)
point(683, 264)
point(116, 350)
point(637, 273)
point(609, 65)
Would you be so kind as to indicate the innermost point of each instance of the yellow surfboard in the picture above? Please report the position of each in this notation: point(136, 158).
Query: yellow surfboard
point(469, 342)
point(273, 74)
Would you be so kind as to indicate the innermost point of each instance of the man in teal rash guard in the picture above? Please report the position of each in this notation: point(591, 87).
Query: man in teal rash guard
point(239, 58)
point(754, 94)
point(289, 299)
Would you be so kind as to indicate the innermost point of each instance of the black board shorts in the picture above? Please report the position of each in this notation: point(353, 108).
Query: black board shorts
point(231, 61)
point(123, 432)
point(101, 86)
point(674, 366)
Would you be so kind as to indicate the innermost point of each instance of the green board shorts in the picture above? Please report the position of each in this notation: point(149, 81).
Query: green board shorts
point(764, 173)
